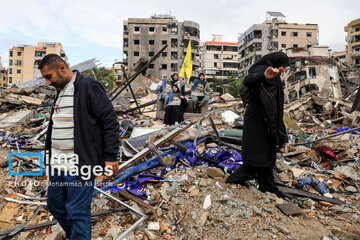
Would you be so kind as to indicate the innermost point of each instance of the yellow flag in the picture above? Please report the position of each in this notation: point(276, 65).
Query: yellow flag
point(187, 65)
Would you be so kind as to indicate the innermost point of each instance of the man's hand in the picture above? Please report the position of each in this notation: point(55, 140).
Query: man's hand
point(182, 97)
point(271, 72)
point(114, 165)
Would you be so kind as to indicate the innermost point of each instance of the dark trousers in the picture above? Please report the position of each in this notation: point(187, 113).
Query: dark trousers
point(69, 201)
point(264, 175)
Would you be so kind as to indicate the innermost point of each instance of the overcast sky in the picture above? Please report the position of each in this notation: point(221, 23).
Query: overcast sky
point(89, 28)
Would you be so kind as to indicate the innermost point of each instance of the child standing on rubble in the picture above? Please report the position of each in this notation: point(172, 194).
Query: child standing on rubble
point(163, 89)
point(264, 130)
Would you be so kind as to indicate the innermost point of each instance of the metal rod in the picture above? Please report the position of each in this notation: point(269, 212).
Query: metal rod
point(92, 70)
point(131, 90)
point(22, 226)
point(132, 78)
point(24, 201)
point(18, 166)
point(123, 235)
point(214, 128)
point(330, 136)
point(50, 223)
point(140, 155)
point(143, 216)
point(198, 129)
point(119, 201)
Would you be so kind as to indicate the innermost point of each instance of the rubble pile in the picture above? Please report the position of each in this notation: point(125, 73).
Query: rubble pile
point(176, 175)
point(316, 111)
point(20, 98)
point(24, 116)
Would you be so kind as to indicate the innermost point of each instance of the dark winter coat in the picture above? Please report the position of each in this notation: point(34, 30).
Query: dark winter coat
point(264, 129)
point(96, 126)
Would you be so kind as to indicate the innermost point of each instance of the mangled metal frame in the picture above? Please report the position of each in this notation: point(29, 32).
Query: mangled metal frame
point(142, 215)
point(131, 162)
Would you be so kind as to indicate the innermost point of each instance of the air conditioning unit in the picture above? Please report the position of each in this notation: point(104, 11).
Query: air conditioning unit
point(269, 47)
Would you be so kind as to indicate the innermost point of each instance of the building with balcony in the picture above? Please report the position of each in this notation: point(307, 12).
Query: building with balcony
point(3, 75)
point(218, 59)
point(24, 60)
point(273, 35)
point(353, 43)
point(144, 37)
point(311, 69)
point(116, 69)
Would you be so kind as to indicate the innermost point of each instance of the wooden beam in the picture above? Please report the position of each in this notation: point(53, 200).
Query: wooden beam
point(310, 195)
point(140, 155)
point(139, 201)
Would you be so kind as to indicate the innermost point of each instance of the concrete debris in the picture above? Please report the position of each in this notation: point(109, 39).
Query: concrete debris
point(182, 180)
point(153, 226)
point(351, 189)
point(215, 172)
point(207, 202)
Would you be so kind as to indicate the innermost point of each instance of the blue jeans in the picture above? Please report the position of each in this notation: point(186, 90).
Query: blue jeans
point(165, 98)
point(69, 201)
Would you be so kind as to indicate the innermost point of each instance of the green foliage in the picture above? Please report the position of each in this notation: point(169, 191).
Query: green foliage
point(102, 74)
point(233, 88)
point(219, 88)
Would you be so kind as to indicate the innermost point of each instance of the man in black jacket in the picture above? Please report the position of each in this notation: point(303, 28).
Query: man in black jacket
point(82, 142)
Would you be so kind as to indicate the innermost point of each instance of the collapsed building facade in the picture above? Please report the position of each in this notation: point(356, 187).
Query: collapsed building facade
point(311, 69)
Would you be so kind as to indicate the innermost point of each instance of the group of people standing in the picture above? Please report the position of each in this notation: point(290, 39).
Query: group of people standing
point(175, 99)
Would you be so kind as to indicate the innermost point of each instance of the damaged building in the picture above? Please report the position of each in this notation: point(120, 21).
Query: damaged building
point(275, 34)
point(353, 42)
point(219, 59)
point(311, 69)
point(146, 36)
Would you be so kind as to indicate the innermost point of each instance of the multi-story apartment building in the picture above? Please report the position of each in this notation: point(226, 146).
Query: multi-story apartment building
point(274, 34)
point(24, 60)
point(219, 59)
point(117, 70)
point(3, 75)
point(144, 37)
point(353, 42)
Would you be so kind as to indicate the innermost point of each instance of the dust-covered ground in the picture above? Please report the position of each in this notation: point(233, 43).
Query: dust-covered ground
point(235, 212)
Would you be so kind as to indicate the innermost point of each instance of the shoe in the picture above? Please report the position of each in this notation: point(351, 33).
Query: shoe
point(277, 192)
point(281, 194)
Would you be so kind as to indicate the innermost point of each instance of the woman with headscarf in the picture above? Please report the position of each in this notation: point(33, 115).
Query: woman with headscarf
point(179, 82)
point(174, 111)
point(264, 130)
